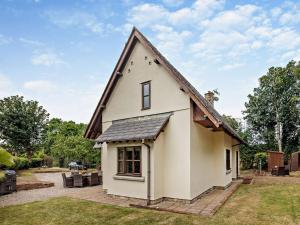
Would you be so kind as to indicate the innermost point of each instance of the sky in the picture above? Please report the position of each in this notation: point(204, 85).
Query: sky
point(62, 52)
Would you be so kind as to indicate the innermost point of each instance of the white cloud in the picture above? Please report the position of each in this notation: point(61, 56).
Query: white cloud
point(60, 103)
point(170, 41)
point(4, 40)
point(39, 85)
point(149, 14)
point(7, 87)
point(239, 18)
point(286, 39)
point(232, 66)
point(31, 42)
point(78, 19)
point(47, 59)
point(291, 14)
point(215, 45)
point(200, 10)
point(275, 12)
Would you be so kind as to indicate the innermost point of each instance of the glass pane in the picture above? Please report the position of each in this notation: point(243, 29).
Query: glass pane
point(137, 167)
point(129, 166)
point(120, 154)
point(137, 154)
point(146, 102)
point(129, 153)
point(146, 89)
point(120, 167)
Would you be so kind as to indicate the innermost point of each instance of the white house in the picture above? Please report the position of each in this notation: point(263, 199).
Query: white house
point(161, 139)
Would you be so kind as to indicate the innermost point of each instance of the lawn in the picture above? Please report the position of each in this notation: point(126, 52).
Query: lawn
point(251, 204)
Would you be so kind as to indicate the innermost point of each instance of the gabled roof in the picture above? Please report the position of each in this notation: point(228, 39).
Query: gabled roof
point(94, 128)
point(136, 129)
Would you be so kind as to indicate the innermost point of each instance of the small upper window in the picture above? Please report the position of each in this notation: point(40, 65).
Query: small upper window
point(228, 167)
point(146, 95)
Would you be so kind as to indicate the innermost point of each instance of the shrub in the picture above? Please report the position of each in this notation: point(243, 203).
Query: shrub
point(48, 161)
point(260, 157)
point(36, 162)
point(39, 154)
point(20, 163)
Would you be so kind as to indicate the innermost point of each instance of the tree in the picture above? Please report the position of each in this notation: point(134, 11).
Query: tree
point(22, 124)
point(273, 110)
point(234, 123)
point(65, 142)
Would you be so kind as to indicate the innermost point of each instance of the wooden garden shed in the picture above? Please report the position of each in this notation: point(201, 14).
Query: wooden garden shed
point(295, 161)
point(275, 159)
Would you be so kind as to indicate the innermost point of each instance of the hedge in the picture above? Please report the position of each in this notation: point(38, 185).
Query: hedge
point(36, 162)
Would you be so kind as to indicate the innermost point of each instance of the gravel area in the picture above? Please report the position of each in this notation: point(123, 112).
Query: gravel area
point(43, 193)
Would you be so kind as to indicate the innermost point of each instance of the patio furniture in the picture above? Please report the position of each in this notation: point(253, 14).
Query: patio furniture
point(77, 180)
point(74, 172)
point(8, 185)
point(281, 171)
point(286, 170)
point(93, 179)
point(274, 171)
point(85, 178)
point(67, 181)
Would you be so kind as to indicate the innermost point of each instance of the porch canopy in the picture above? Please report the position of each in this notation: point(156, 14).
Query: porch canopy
point(135, 129)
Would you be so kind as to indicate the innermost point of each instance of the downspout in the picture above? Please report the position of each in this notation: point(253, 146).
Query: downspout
point(148, 172)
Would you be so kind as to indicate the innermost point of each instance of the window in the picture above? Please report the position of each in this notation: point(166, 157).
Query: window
point(146, 95)
point(129, 161)
point(228, 159)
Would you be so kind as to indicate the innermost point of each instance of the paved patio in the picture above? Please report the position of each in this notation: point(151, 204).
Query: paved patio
point(207, 205)
point(94, 193)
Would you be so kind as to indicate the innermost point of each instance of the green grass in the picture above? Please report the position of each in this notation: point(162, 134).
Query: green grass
point(251, 204)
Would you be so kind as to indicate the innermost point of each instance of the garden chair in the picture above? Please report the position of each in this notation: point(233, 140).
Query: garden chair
point(77, 180)
point(67, 181)
point(281, 171)
point(94, 179)
point(287, 170)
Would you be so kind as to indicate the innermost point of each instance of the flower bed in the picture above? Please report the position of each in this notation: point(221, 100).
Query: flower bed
point(33, 185)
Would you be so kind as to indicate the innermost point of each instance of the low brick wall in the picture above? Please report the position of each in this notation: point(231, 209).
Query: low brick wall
point(33, 185)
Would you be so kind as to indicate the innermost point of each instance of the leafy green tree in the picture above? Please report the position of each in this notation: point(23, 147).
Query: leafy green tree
point(22, 124)
point(65, 142)
point(273, 110)
point(247, 152)
point(234, 123)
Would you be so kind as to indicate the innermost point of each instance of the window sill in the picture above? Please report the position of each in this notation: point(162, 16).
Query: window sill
point(228, 171)
point(129, 178)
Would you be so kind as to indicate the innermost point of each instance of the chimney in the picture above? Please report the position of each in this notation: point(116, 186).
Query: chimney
point(210, 97)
